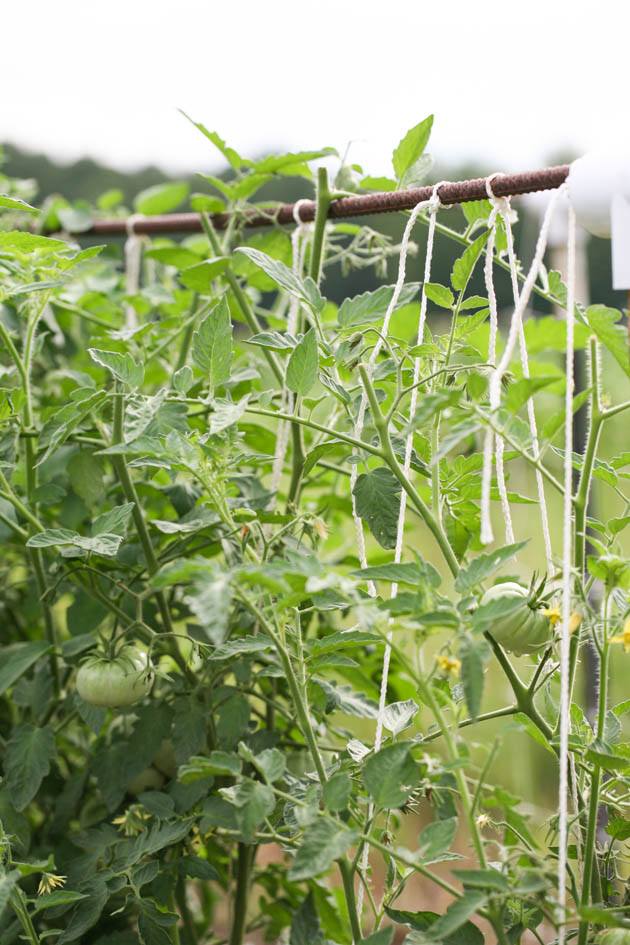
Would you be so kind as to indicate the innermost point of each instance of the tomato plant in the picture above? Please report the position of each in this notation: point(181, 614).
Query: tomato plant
point(192, 745)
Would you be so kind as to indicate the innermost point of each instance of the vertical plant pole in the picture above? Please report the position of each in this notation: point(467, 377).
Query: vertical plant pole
point(324, 200)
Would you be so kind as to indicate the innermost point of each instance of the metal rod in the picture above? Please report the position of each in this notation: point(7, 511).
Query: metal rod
point(506, 185)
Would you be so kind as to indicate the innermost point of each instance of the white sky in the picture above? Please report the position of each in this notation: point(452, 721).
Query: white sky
point(510, 82)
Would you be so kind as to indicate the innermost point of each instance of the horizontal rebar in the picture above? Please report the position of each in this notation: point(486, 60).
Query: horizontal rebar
point(505, 185)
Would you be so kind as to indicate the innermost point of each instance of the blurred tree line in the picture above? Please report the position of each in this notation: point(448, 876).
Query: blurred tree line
point(87, 179)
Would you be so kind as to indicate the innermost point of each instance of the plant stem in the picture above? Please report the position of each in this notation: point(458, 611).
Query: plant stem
point(30, 459)
point(590, 855)
point(324, 200)
point(345, 437)
point(243, 869)
point(20, 908)
point(380, 422)
point(347, 878)
point(129, 491)
point(581, 498)
point(242, 301)
point(466, 801)
point(190, 934)
point(315, 270)
point(304, 724)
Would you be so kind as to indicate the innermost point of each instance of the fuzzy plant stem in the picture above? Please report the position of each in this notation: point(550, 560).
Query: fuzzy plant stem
point(380, 422)
point(243, 872)
point(298, 698)
point(315, 271)
point(129, 491)
point(23, 366)
point(590, 857)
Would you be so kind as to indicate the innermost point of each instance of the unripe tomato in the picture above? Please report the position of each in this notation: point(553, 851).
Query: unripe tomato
point(120, 681)
point(165, 760)
point(614, 937)
point(147, 780)
point(523, 630)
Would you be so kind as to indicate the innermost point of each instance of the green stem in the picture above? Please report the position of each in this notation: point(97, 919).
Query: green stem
point(243, 870)
point(304, 724)
point(466, 801)
point(30, 459)
point(190, 934)
point(129, 491)
point(241, 299)
point(380, 422)
point(590, 854)
point(313, 425)
point(347, 878)
point(315, 270)
point(18, 903)
point(324, 200)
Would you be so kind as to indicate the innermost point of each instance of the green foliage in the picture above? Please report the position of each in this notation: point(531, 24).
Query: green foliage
point(152, 498)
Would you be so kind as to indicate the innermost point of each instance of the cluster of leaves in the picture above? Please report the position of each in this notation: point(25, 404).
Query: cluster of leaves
point(137, 504)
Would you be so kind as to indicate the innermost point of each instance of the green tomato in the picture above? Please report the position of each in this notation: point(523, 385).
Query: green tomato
point(120, 681)
point(524, 630)
point(147, 780)
point(614, 937)
point(165, 760)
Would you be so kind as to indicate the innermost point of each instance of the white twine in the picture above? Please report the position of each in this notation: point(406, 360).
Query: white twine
point(501, 206)
point(133, 264)
point(433, 205)
point(499, 371)
point(567, 557)
point(298, 252)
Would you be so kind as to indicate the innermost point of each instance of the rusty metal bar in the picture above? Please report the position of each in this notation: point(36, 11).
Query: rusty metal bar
point(547, 178)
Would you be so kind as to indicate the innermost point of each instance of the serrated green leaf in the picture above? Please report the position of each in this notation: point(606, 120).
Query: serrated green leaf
point(212, 345)
point(371, 306)
point(439, 294)
point(391, 775)
point(161, 198)
point(17, 659)
point(303, 364)
point(323, 843)
point(27, 762)
point(121, 366)
point(603, 321)
point(201, 275)
point(484, 565)
point(411, 147)
point(463, 267)
point(377, 499)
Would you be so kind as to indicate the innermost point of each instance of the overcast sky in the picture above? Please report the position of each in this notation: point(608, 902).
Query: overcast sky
point(510, 82)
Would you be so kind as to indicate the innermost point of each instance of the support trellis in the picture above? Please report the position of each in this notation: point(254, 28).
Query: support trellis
point(497, 188)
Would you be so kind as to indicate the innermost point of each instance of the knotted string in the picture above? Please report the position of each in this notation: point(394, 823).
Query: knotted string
point(433, 205)
point(501, 207)
point(133, 264)
point(496, 378)
point(567, 558)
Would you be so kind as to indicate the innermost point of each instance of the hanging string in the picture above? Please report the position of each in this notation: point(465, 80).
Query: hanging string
point(500, 370)
point(433, 204)
point(358, 427)
point(501, 206)
point(567, 558)
point(298, 252)
point(133, 264)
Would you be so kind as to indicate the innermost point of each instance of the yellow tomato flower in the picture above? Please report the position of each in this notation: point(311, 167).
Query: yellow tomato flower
point(48, 882)
point(449, 664)
point(553, 615)
point(133, 821)
point(624, 637)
